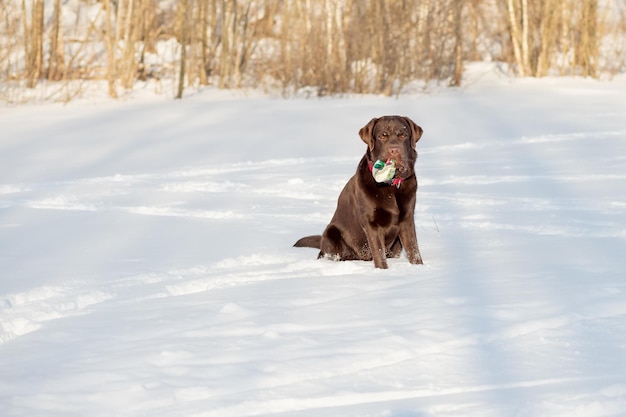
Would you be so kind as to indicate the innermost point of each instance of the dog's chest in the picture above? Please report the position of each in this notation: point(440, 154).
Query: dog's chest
point(385, 210)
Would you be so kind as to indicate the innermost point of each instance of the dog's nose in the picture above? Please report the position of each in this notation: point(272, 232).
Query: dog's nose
point(394, 151)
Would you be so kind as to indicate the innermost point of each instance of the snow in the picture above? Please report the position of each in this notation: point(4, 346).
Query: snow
point(147, 268)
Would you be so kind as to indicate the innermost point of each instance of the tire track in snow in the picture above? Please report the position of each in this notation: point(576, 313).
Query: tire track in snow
point(27, 311)
point(528, 140)
point(173, 193)
point(177, 193)
point(535, 215)
point(613, 403)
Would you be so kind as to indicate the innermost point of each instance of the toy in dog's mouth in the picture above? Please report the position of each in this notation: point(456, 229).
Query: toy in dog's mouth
point(384, 171)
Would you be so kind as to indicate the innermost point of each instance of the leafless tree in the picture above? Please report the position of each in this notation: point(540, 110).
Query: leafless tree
point(316, 46)
point(56, 60)
point(183, 24)
point(33, 40)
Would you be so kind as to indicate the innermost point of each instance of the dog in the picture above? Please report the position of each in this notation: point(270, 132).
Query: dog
point(374, 218)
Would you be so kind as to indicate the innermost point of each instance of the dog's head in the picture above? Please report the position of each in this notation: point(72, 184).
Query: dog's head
point(392, 137)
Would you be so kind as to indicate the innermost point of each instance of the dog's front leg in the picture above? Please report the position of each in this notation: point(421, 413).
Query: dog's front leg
point(376, 240)
point(408, 238)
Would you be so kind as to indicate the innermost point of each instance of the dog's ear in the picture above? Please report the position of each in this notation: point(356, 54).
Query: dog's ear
point(416, 131)
point(366, 133)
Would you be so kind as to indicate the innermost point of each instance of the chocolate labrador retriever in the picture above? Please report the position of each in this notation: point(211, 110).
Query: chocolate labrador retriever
point(374, 216)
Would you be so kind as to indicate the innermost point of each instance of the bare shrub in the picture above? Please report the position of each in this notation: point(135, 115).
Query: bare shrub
point(554, 34)
point(322, 47)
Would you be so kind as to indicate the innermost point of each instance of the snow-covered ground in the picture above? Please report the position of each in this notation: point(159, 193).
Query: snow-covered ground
point(146, 266)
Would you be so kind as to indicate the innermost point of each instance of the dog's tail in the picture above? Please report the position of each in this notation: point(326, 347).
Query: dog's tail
point(309, 242)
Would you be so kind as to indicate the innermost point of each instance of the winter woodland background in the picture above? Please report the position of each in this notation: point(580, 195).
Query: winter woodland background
point(55, 49)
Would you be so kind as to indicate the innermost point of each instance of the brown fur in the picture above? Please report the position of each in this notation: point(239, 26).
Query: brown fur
point(374, 221)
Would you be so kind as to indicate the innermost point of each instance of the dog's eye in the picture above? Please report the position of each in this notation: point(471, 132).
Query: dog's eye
point(383, 135)
point(402, 135)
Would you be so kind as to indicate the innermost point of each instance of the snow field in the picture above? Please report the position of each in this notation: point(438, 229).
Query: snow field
point(147, 267)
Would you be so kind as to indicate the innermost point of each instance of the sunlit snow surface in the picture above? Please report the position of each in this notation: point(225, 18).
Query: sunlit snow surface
point(146, 266)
